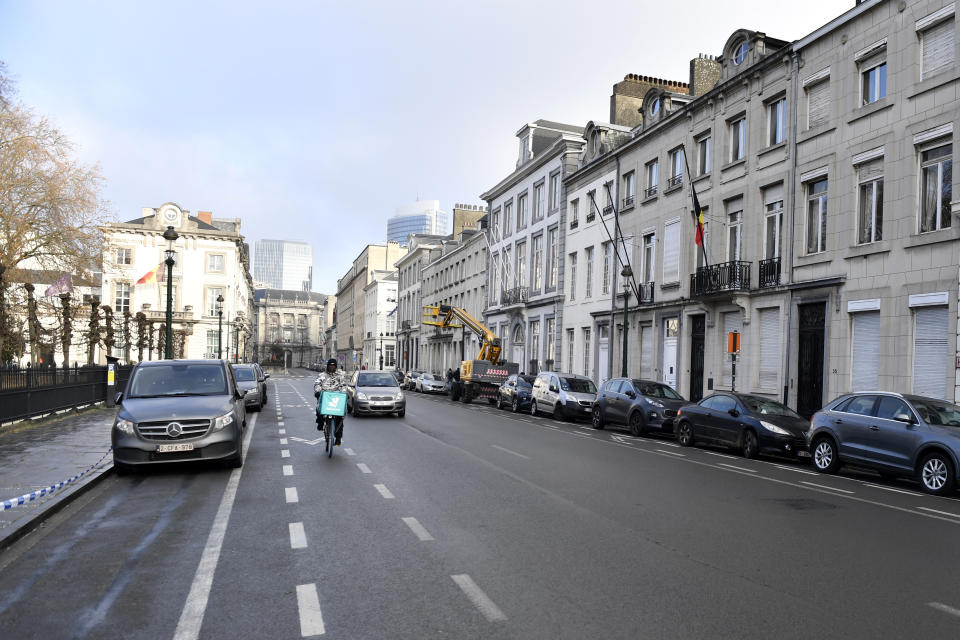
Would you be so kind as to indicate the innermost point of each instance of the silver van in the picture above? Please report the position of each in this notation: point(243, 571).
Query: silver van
point(567, 396)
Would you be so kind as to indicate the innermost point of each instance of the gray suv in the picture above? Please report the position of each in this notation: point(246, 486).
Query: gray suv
point(892, 433)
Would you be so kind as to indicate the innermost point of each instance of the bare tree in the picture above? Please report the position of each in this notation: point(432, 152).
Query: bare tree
point(141, 334)
point(66, 331)
point(93, 328)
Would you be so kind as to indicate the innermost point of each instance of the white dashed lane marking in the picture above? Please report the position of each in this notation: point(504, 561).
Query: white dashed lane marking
point(284, 453)
point(479, 599)
point(311, 618)
point(350, 452)
point(418, 529)
point(382, 488)
point(298, 537)
point(672, 453)
point(823, 486)
point(364, 468)
point(292, 495)
point(735, 468)
point(288, 469)
point(283, 441)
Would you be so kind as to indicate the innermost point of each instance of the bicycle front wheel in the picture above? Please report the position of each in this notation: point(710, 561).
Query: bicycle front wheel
point(330, 436)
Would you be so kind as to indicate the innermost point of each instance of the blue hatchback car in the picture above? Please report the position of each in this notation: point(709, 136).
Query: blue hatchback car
point(515, 392)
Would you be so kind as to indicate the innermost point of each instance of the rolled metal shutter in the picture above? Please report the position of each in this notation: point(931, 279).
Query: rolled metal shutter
point(930, 352)
point(671, 252)
point(646, 353)
point(731, 322)
point(769, 348)
point(937, 48)
point(818, 104)
point(865, 365)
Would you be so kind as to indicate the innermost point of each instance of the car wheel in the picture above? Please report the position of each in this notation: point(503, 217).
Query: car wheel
point(515, 405)
point(558, 412)
point(749, 446)
point(533, 407)
point(597, 418)
point(636, 424)
point(685, 434)
point(936, 474)
point(499, 401)
point(825, 455)
point(236, 461)
point(356, 411)
point(400, 414)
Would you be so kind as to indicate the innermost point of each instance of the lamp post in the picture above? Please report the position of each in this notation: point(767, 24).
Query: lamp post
point(170, 235)
point(627, 272)
point(236, 339)
point(220, 326)
point(381, 350)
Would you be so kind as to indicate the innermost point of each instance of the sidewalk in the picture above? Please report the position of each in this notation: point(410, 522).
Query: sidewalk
point(35, 455)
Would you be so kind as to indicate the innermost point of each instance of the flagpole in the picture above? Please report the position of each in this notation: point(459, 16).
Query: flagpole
point(697, 210)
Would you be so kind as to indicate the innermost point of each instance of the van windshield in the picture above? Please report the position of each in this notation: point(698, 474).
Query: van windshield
point(577, 385)
point(174, 379)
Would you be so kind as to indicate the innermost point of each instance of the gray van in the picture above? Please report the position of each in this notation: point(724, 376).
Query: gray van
point(567, 396)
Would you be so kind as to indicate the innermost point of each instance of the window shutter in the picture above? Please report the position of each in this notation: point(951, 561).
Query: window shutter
point(818, 104)
point(769, 348)
point(870, 170)
point(938, 48)
point(731, 323)
point(671, 252)
point(646, 353)
point(865, 366)
point(930, 352)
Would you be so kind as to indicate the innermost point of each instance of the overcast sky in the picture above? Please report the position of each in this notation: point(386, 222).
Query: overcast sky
point(314, 120)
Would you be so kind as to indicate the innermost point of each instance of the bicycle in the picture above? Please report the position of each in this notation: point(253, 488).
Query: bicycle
point(331, 404)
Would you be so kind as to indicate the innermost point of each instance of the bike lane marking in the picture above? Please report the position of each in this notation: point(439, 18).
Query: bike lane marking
point(480, 600)
point(311, 617)
point(418, 529)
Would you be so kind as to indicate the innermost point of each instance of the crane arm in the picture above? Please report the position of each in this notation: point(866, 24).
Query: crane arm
point(446, 317)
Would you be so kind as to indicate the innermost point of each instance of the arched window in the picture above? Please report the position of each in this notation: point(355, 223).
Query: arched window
point(740, 53)
point(518, 334)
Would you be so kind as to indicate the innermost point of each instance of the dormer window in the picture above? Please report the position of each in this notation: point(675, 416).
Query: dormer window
point(655, 108)
point(740, 53)
point(595, 143)
point(525, 148)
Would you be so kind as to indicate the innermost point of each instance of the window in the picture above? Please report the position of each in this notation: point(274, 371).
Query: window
point(607, 197)
point(873, 78)
point(586, 352)
point(570, 335)
point(734, 229)
point(521, 264)
point(507, 218)
point(591, 204)
point(740, 53)
point(671, 251)
point(124, 256)
point(646, 352)
point(521, 212)
point(535, 342)
point(704, 147)
point(538, 263)
point(213, 338)
point(607, 266)
point(889, 408)
point(870, 201)
point(495, 224)
point(936, 44)
point(551, 339)
point(738, 139)
point(817, 216)
point(215, 263)
point(507, 265)
point(212, 294)
point(574, 213)
point(629, 188)
point(573, 276)
point(553, 236)
point(525, 152)
point(121, 299)
point(776, 121)
point(936, 182)
point(676, 168)
point(554, 191)
point(818, 103)
point(865, 351)
point(649, 249)
point(930, 352)
point(589, 258)
point(539, 203)
point(653, 178)
point(770, 356)
point(773, 220)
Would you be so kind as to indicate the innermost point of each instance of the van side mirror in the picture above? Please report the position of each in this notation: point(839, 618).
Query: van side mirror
point(904, 417)
point(266, 375)
point(554, 388)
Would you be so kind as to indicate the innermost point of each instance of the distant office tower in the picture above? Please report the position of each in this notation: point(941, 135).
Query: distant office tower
point(423, 216)
point(282, 264)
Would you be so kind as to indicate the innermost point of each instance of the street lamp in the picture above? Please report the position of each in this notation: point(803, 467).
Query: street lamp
point(236, 339)
point(220, 326)
point(627, 273)
point(170, 235)
point(381, 350)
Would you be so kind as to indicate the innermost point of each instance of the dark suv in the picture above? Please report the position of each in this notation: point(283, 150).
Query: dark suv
point(642, 405)
point(892, 433)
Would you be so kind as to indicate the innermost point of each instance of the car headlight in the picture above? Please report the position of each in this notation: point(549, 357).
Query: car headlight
point(399, 396)
point(361, 395)
point(769, 426)
point(223, 421)
point(655, 403)
point(124, 426)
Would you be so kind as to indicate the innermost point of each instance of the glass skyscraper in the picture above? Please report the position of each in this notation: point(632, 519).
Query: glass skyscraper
point(423, 216)
point(283, 264)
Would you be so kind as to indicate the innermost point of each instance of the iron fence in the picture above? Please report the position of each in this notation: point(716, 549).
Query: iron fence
point(26, 392)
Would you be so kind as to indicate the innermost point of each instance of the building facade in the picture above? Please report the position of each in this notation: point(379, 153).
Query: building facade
point(283, 264)
point(421, 217)
point(380, 321)
point(422, 250)
point(289, 327)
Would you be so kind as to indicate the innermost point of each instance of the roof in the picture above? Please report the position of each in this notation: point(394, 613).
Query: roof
point(288, 295)
point(201, 225)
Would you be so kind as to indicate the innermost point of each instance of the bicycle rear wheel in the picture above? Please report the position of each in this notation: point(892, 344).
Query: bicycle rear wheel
point(328, 435)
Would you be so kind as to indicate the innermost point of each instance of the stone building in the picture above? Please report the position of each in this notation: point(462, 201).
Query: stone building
point(290, 327)
point(422, 250)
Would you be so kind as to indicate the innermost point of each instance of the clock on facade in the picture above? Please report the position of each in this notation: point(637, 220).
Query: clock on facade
point(170, 216)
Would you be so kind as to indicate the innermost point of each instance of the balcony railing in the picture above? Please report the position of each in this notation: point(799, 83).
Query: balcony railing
point(628, 201)
point(574, 223)
point(646, 292)
point(591, 216)
point(517, 295)
point(607, 209)
point(726, 276)
point(675, 181)
point(649, 192)
point(769, 273)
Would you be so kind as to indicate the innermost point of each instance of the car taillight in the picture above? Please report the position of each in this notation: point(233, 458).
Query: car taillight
point(679, 412)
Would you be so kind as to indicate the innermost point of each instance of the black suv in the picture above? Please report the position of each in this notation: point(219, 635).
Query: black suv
point(892, 433)
point(642, 405)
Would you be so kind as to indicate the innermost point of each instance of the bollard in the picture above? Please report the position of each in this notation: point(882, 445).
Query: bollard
point(111, 380)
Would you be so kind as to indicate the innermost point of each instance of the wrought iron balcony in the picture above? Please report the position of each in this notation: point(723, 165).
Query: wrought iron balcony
point(726, 276)
point(628, 201)
point(591, 216)
point(517, 295)
point(574, 223)
point(649, 192)
point(646, 292)
point(769, 273)
point(675, 181)
point(607, 209)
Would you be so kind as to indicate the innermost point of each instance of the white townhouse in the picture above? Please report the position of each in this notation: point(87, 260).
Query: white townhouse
point(380, 321)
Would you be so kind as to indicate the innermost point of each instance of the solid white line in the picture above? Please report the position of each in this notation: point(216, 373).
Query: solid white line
point(944, 513)
point(479, 599)
point(311, 618)
point(284, 453)
point(719, 455)
point(382, 488)
point(298, 537)
point(418, 529)
point(364, 468)
point(822, 486)
point(288, 469)
point(785, 468)
point(672, 453)
point(191, 618)
point(519, 455)
point(730, 466)
point(909, 493)
point(945, 608)
point(283, 441)
point(292, 495)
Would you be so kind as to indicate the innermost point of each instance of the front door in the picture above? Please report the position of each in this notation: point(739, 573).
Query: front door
point(671, 327)
point(697, 333)
point(810, 358)
point(603, 354)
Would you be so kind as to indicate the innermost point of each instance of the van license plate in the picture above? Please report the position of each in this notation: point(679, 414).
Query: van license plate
point(170, 448)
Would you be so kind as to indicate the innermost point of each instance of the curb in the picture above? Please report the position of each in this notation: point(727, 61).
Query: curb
point(53, 508)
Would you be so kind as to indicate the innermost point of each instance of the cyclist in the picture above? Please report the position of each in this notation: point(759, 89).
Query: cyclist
point(331, 380)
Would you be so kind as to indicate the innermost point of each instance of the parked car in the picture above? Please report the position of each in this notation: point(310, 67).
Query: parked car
point(262, 379)
point(567, 396)
point(396, 373)
point(247, 380)
point(753, 424)
point(176, 411)
point(410, 381)
point(642, 405)
point(516, 392)
point(429, 383)
point(375, 392)
point(892, 433)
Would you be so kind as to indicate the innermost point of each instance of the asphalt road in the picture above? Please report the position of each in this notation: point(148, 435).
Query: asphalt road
point(466, 522)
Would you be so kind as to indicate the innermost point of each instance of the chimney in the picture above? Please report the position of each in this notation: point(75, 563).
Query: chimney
point(627, 97)
point(206, 216)
point(704, 74)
